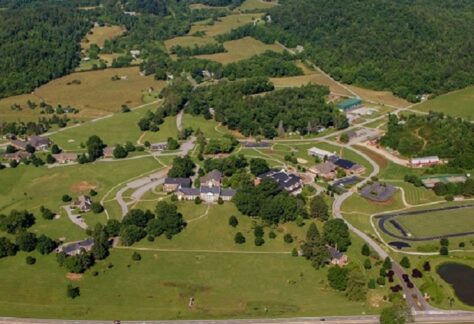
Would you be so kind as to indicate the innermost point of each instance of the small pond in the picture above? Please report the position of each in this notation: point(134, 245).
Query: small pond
point(461, 278)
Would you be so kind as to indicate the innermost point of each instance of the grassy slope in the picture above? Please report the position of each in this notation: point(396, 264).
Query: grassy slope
point(458, 103)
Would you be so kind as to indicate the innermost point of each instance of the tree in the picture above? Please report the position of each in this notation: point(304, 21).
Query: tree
point(387, 264)
point(73, 292)
point(95, 147)
point(172, 144)
point(100, 250)
point(288, 238)
point(112, 227)
point(55, 149)
point(30, 149)
point(78, 263)
point(97, 207)
point(137, 217)
point(314, 248)
point(16, 221)
point(367, 264)
point(395, 314)
point(129, 147)
point(168, 220)
point(258, 231)
point(7, 248)
point(336, 233)
point(239, 238)
point(365, 251)
point(120, 152)
point(182, 167)
point(45, 245)
point(66, 198)
point(319, 208)
point(444, 242)
point(443, 250)
point(258, 166)
point(233, 221)
point(50, 159)
point(259, 241)
point(405, 262)
point(337, 278)
point(46, 213)
point(356, 285)
point(130, 234)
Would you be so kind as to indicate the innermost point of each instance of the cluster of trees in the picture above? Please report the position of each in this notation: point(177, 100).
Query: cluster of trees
point(268, 64)
point(226, 144)
point(33, 128)
point(212, 48)
point(38, 44)
point(183, 167)
point(17, 223)
point(408, 48)
point(269, 202)
point(448, 190)
point(350, 280)
point(425, 135)
point(220, 3)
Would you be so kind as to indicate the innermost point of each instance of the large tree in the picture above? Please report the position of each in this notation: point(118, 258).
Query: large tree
point(336, 233)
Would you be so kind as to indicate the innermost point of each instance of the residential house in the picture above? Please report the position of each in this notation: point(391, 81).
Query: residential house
point(64, 158)
point(424, 161)
point(227, 194)
point(108, 152)
point(325, 170)
point(320, 154)
point(39, 143)
point(286, 181)
point(76, 247)
point(17, 156)
point(155, 147)
point(173, 184)
point(337, 258)
point(212, 179)
point(349, 166)
point(83, 203)
point(210, 194)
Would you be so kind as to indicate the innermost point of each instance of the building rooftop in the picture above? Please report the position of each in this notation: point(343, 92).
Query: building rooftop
point(349, 103)
point(185, 182)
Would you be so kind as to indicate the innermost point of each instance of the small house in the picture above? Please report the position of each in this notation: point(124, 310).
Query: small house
point(83, 203)
point(108, 152)
point(17, 156)
point(285, 180)
point(424, 161)
point(320, 154)
point(76, 247)
point(156, 147)
point(337, 258)
point(325, 170)
point(349, 167)
point(63, 158)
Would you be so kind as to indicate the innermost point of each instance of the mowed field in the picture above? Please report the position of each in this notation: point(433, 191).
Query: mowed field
point(96, 95)
point(224, 24)
point(99, 34)
point(241, 49)
point(313, 78)
point(379, 97)
point(223, 285)
point(257, 4)
point(188, 41)
point(457, 103)
point(439, 222)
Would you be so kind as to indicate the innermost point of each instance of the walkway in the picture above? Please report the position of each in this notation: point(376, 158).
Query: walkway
point(76, 219)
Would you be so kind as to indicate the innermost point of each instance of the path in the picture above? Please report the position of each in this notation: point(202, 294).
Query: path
point(179, 120)
point(76, 219)
point(199, 251)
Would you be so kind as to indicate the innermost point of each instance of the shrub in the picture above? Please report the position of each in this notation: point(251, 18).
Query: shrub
point(30, 260)
point(258, 231)
point(427, 266)
point(97, 208)
point(381, 281)
point(220, 201)
point(272, 235)
point(66, 198)
point(367, 264)
point(198, 200)
point(294, 252)
point(444, 250)
point(233, 221)
point(416, 273)
point(92, 193)
point(73, 292)
point(371, 284)
point(365, 250)
point(136, 256)
point(405, 262)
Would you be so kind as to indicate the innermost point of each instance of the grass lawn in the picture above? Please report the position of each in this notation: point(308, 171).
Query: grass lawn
point(314, 78)
point(27, 187)
point(208, 127)
point(117, 129)
point(241, 49)
point(97, 95)
point(224, 24)
point(99, 34)
point(380, 97)
point(438, 223)
point(161, 284)
point(358, 204)
point(257, 4)
point(457, 103)
point(167, 129)
point(417, 195)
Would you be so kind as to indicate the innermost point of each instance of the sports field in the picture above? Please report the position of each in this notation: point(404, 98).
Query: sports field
point(458, 103)
point(438, 223)
point(241, 49)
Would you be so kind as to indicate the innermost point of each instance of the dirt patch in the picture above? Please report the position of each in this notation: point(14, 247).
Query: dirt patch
point(375, 300)
point(379, 159)
point(74, 276)
point(82, 186)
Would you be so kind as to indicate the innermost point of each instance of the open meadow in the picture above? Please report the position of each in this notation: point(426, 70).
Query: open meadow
point(257, 4)
point(458, 103)
point(241, 49)
point(99, 34)
point(223, 25)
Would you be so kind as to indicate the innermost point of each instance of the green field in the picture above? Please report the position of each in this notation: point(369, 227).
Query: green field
point(359, 205)
point(416, 195)
point(438, 223)
point(208, 127)
point(458, 103)
point(257, 4)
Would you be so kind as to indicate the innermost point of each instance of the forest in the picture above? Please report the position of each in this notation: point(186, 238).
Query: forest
point(272, 114)
point(47, 37)
point(408, 47)
point(425, 135)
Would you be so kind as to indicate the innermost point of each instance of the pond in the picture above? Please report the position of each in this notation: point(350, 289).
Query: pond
point(461, 278)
